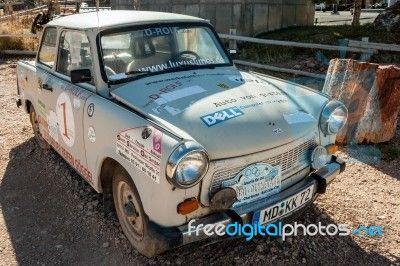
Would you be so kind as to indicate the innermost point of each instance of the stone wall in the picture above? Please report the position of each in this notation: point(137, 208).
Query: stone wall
point(249, 17)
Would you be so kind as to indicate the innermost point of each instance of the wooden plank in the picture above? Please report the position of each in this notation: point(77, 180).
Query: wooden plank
point(279, 69)
point(23, 12)
point(22, 35)
point(18, 52)
point(375, 45)
point(294, 44)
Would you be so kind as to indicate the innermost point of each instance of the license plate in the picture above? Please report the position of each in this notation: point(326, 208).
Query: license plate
point(256, 181)
point(284, 207)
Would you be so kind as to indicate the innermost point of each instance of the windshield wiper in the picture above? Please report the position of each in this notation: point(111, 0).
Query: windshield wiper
point(133, 72)
point(190, 67)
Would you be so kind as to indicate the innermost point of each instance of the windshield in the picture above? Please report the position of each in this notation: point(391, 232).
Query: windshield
point(159, 49)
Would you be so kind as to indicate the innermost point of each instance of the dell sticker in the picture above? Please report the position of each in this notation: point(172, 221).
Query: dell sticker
point(221, 116)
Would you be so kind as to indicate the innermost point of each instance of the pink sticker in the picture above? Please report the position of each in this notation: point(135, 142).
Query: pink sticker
point(157, 136)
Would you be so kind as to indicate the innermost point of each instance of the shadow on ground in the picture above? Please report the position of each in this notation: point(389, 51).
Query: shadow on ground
point(46, 208)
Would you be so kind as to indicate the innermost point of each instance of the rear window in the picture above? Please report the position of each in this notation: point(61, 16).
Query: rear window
point(47, 53)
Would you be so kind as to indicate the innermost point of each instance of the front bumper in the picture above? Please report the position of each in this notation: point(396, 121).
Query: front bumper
point(182, 235)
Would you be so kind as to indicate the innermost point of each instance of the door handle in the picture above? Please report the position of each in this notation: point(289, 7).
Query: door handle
point(47, 87)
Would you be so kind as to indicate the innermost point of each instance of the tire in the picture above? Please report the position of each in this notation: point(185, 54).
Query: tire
point(131, 216)
point(36, 131)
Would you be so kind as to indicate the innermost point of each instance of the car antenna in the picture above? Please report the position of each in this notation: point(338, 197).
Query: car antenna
point(97, 14)
point(98, 25)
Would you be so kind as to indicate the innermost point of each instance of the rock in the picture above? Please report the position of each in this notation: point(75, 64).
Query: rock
point(106, 245)
point(311, 64)
point(371, 93)
point(273, 250)
point(390, 18)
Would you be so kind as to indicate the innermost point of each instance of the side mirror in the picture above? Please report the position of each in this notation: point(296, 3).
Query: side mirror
point(80, 75)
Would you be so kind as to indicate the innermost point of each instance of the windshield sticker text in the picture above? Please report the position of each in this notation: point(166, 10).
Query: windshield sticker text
point(171, 64)
point(161, 31)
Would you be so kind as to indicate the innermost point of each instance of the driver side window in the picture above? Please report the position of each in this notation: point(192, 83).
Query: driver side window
point(74, 52)
point(197, 40)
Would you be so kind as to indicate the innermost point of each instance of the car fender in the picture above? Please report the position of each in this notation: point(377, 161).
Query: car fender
point(113, 123)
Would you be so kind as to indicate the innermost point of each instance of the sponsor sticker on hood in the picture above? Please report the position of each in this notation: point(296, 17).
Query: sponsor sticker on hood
point(221, 116)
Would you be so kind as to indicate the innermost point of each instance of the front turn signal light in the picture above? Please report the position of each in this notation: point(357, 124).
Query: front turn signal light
point(332, 149)
point(188, 206)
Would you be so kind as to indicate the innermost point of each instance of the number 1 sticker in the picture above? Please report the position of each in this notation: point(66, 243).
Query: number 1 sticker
point(65, 116)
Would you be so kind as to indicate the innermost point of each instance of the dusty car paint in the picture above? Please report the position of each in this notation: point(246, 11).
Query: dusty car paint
point(209, 113)
point(240, 118)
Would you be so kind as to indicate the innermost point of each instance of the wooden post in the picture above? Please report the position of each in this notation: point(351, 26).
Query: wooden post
point(232, 43)
point(365, 56)
point(356, 13)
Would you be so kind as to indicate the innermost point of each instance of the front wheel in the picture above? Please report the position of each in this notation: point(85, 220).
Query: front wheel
point(133, 220)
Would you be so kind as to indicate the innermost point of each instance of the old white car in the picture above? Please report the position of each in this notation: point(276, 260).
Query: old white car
point(150, 110)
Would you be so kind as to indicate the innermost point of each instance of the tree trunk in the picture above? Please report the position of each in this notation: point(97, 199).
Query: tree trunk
point(356, 12)
point(371, 93)
point(392, 2)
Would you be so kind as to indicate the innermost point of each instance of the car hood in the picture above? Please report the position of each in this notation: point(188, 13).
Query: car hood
point(230, 113)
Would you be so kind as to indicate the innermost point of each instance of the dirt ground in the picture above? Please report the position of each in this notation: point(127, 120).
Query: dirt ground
point(49, 215)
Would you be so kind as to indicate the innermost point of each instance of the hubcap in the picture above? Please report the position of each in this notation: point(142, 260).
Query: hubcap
point(128, 207)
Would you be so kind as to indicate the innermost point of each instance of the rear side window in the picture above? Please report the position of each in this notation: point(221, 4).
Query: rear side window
point(74, 52)
point(47, 53)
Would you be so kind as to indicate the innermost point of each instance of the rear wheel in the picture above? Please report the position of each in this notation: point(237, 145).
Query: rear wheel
point(36, 130)
point(131, 215)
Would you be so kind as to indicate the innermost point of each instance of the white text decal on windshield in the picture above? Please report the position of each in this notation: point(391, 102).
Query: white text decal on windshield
point(171, 64)
point(159, 31)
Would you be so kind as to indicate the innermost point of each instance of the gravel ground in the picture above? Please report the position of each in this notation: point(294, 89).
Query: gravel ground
point(49, 215)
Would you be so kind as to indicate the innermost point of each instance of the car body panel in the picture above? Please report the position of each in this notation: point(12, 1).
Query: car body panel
point(249, 113)
point(240, 118)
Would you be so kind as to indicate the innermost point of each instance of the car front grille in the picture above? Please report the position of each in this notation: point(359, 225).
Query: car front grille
point(291, 161)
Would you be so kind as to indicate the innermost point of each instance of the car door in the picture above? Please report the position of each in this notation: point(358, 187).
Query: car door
point(68, 100)
point(43, 82)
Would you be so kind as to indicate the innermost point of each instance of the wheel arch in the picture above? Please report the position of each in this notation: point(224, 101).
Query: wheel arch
point(106, 174)
point(105, 185)
point(28, 105)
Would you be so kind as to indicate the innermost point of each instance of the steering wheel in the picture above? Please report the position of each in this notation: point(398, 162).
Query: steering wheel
point(191, 55)
point(109, 71)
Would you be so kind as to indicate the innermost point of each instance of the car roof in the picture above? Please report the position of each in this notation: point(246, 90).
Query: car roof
point(112, 18)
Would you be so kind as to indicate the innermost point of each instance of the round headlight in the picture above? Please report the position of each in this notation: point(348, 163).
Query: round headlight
point(319, 157)
point(187, 165)
point(333, 117)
